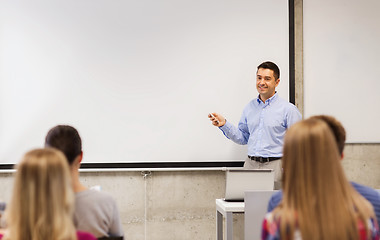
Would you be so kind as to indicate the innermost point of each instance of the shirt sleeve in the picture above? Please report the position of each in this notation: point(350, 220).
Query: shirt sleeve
point(238, 135)
point(293, 116)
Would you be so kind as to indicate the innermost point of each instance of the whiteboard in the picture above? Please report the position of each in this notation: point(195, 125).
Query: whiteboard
point(136, 78)
point(341, 64)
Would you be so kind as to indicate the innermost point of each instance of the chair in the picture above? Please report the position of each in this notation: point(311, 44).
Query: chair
point(255, 208)
point(111, 238)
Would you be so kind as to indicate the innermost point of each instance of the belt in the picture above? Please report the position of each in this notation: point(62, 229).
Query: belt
point(263, 159)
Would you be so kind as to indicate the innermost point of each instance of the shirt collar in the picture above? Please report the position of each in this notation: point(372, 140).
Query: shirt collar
point(268, 101)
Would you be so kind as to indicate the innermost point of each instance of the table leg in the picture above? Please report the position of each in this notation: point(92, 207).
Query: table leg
point(219, 225)
point(229, 225)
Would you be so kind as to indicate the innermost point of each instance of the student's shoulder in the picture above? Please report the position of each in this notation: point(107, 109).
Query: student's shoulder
point(365, 190)
point(94, 195)
point(370, 194)
point(274, 200)
point(277, 195)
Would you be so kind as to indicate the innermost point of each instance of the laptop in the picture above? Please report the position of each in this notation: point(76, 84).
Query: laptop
point(239, 181)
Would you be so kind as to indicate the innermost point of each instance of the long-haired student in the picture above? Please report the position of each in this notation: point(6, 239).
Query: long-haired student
point(42, 203)
point(318, 201)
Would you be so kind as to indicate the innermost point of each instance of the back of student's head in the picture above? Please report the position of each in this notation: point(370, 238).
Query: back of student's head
point(66, 139)
point(309, 153)
point(41, 207)
point(315, 186)
point(337, 129)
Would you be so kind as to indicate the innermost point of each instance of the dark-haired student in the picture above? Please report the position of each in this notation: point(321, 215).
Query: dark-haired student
point(95, 212)
point(263, 123)
point(340, 136)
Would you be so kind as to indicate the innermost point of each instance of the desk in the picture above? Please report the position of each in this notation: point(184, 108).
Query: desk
point(226, 209)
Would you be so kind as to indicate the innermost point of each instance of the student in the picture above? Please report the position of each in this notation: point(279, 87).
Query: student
point(2, 209)
point(95, 212)
point(42, 203)
point(263, 123)
point(318, 201)
point(340, 136)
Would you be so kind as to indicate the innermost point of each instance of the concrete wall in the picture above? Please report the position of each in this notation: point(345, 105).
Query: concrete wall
point(167, 204)
point(362, 163)
point(163, 205)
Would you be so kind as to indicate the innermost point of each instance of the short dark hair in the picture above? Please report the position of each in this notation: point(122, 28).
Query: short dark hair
point(272, 66)
point(337, 129)
point(66, 139)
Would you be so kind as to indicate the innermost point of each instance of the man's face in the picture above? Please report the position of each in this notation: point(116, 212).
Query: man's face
point(266, 83)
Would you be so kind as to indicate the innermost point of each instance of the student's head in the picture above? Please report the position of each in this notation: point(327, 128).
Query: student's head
point(309, 150)
point(315, 186)
point(66, 139)
point(42, 200)
point(337, 129)
point(267, 79)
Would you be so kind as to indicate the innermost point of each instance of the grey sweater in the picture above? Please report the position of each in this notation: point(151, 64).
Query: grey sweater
point(96, 212)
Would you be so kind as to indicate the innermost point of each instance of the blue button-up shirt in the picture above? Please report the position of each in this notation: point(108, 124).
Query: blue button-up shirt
point(263, 125)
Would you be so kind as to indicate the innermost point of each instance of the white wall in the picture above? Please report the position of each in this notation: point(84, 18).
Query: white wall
point(341, 64)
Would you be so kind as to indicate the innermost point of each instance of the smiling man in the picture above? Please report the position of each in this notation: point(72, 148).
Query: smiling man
point(263, 123)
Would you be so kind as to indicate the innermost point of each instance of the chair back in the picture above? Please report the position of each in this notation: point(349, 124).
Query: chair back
point(255, 208)
point(111, 238)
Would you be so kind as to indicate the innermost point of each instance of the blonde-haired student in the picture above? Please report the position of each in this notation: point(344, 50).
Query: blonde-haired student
point(41, 207)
